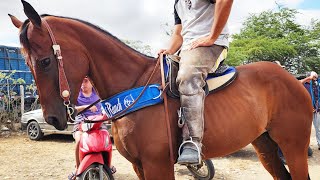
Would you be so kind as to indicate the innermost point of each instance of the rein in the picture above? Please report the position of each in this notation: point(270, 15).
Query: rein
point(165, 101)
point(88, 107)
point(114, 118)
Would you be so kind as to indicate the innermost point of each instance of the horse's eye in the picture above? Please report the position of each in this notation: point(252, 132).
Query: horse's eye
point(44, 63)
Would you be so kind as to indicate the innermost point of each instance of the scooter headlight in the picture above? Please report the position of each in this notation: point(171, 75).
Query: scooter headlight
point(86, 126)
point(107, 141)
point(85, 146)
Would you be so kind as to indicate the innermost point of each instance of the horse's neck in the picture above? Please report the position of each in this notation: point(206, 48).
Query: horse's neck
point(114, 67)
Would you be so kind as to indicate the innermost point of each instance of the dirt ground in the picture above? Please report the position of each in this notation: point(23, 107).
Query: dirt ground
point(53, 158)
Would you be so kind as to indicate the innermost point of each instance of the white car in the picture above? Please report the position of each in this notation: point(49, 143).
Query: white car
point(36, 126)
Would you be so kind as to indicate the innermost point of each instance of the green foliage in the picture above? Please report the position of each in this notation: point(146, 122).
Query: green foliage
point(9, 106)
point(139, 46)
point(8, 80)
point(32, 88)
point(271, 36)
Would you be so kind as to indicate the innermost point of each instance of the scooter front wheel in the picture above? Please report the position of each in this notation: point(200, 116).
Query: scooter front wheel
point(96, 172)
point(203, 171)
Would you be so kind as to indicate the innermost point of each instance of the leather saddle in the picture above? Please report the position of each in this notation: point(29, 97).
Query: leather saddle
point(219, 79)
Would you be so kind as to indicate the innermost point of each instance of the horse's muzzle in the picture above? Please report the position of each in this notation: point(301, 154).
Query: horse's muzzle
point(55, 122)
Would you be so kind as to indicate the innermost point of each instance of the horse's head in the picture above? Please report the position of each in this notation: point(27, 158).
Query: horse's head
point(45, 66)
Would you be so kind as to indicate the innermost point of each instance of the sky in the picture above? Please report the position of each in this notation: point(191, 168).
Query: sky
point(139, 20)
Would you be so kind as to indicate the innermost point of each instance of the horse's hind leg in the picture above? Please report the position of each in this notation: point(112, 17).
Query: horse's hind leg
point(267, 151)
point(297, 159)
point(292, 134)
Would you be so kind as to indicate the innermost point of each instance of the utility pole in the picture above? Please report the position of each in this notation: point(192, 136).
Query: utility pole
point(22, 98)
point(8, 86)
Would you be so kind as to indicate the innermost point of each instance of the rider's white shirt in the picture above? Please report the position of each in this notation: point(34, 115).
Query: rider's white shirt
point(197, 19)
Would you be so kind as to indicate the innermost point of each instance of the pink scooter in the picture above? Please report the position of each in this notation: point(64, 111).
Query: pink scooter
point(95, 151)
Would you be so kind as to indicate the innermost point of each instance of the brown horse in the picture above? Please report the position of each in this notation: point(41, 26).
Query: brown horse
point(265, 105)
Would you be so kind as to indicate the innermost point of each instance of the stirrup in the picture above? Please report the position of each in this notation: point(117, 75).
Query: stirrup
point(198, 149)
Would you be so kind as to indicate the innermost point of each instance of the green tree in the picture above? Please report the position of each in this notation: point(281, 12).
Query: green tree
point(9, 107)
point(139, 46)
point(271, 36)
point(8, 82)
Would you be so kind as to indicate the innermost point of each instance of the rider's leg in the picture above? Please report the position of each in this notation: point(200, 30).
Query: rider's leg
point(316, 124)
point(77, 135)
point(194, 67)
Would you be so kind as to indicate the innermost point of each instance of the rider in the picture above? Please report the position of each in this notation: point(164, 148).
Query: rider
point(200, 32)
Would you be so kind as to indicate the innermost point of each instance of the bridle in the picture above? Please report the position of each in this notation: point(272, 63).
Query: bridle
point(63, 82)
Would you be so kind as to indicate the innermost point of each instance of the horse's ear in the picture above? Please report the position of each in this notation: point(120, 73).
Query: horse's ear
point(15, 21)
point(31, 14)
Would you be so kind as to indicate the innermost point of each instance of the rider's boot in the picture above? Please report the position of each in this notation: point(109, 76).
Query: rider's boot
point(192, 133)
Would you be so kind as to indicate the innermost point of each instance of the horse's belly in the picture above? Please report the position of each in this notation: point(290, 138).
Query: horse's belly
point(228, 132)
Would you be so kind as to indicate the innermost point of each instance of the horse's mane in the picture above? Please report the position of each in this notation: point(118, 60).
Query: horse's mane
point(24, 38)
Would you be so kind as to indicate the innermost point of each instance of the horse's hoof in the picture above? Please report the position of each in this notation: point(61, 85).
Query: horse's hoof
point(189, 157)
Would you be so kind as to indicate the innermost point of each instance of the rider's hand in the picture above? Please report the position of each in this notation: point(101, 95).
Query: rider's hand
point(164, 51)
point(93, 109)
point(204, 41)
point(309, 78)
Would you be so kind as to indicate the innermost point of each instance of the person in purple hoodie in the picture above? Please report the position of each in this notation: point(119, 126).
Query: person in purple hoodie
point(87, 96)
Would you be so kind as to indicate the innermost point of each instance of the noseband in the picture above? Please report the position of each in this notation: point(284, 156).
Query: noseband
point(63, 82)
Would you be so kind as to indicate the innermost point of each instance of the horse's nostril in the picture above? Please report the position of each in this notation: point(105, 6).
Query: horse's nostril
point(52, 120)
point(55, 122)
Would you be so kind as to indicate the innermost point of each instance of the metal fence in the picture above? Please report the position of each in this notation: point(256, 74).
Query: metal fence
point(16, 86)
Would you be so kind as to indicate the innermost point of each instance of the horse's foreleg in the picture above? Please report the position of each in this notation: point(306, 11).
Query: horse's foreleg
point(158, 170)
point(139, 171)
point(267, 151)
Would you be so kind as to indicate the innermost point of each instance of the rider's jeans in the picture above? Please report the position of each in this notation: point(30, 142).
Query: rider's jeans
point(194, 67)
point(316, 124)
